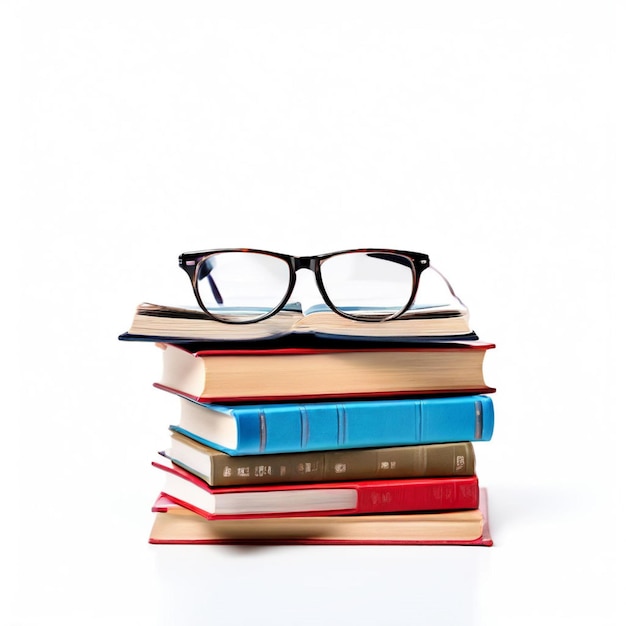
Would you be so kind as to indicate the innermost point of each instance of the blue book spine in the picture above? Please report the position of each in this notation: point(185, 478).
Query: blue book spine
point(282, 428)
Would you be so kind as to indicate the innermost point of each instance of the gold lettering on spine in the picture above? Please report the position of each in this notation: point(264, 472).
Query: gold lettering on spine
point(478, 428)
point(262, 431)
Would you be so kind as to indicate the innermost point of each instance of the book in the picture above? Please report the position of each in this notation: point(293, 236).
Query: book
point(174, 524)
point(301, 499)
point(172, 324)
point(365, 370)
point(220, 469)
point(270, 428)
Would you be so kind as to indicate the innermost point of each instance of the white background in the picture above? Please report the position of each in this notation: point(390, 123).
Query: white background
point(483, 133)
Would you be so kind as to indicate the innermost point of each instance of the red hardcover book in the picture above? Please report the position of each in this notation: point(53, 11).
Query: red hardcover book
point(370, 370)
point(329, 498)
point(174, 524)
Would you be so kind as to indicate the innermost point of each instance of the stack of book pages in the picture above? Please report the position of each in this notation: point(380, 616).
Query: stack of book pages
point(308, 428)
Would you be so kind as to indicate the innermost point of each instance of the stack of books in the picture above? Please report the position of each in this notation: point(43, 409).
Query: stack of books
point(315, 429)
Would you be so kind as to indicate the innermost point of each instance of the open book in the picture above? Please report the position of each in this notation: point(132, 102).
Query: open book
point(171, 324)
point(437, 314)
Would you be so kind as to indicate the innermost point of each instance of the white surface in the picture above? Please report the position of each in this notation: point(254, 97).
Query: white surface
point(482, 133)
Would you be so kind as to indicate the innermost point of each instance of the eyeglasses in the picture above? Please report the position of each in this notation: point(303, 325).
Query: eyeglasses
point(243, 285)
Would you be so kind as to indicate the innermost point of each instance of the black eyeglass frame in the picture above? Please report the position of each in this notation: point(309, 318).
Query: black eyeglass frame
point(191, 262)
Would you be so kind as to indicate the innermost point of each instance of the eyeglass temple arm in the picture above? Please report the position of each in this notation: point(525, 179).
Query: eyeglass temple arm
point(445, 280)
point(204, 271)
point(403, 261)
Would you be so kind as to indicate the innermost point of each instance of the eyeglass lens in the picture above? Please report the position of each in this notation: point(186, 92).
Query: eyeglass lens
point(242, 286)
point(366, 285)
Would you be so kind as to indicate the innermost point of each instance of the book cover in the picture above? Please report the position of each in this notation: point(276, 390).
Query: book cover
point(269, 428)
point(174, 524)
point(370, 370)
point(302, 499)
point(220, 469)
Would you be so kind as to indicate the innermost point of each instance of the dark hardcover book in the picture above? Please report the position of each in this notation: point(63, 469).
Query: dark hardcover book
point(220, 469)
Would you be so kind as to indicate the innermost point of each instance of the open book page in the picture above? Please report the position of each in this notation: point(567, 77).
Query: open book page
point(439, 325)
point(436, 311)
point(191, 323)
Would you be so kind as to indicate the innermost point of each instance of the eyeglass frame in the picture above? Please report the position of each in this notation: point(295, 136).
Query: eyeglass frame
point(190, 262)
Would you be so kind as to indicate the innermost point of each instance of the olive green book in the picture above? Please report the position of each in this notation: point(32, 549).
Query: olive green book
point(221, 470)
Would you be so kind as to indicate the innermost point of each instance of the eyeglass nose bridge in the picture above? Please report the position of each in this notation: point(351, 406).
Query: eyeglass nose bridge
point(304, 263)
point(311, 263)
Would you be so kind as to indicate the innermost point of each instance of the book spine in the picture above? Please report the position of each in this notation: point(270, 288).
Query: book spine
point(438, 494)
point(453, 459)
point(328, 426)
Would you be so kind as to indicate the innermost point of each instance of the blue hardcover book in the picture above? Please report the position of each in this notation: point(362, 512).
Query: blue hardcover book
point(276, 428)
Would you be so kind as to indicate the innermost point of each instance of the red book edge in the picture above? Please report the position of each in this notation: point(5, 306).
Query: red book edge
point(456, 345)
point(164, 504)
point(326, 396)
